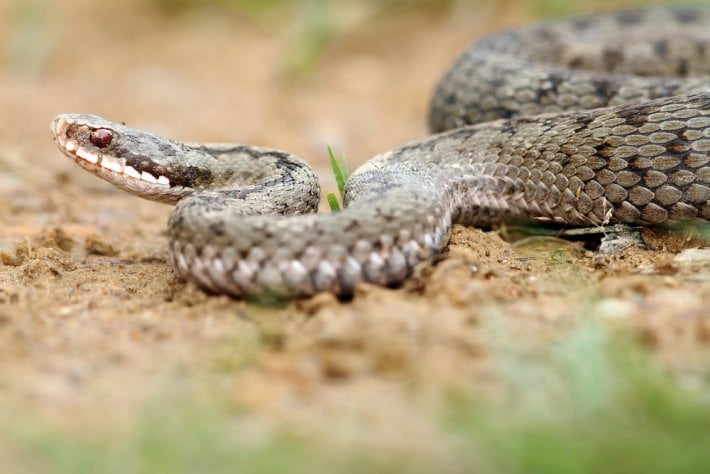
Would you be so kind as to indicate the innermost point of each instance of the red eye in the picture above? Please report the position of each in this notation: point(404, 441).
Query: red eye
point(101, 138)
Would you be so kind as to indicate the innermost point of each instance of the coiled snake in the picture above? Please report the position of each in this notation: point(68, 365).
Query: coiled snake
point(587, 121)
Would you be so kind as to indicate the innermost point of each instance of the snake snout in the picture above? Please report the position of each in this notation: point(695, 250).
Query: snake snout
point(65, 132)
point(59, 127)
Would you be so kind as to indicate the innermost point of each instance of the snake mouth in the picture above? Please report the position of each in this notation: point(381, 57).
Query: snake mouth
point(88, 141)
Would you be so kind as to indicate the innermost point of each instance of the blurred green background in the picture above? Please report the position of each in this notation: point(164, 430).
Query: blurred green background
point(317, 21)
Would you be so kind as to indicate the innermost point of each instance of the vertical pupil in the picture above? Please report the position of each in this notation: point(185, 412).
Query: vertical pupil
point(101, 138)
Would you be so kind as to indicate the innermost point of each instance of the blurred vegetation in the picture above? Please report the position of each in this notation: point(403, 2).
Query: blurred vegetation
point(592, 404)
point(28, 44)
point(319, 21)
point(538, 7)
point(316, 22)
point(259, 7)
point(589, 403)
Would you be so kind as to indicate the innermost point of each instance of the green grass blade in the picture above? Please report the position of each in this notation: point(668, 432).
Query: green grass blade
point(340, 171)
point(333, 202)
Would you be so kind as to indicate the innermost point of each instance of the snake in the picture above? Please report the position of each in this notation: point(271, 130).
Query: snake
point(584, 121)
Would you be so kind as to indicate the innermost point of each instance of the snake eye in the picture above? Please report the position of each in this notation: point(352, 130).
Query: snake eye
point(101, 138)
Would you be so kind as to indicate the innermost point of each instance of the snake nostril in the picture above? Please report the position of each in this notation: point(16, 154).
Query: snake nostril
point(101, 138)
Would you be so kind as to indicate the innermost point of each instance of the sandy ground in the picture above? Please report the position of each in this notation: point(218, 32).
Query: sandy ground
point(92, 314)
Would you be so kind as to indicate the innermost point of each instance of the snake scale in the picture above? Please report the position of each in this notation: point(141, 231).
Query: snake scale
point(585, 121)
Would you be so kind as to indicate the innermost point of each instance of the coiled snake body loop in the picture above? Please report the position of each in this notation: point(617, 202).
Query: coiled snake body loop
point(588, 121)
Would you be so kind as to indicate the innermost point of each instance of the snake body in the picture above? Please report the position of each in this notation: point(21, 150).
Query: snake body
point(588, 121)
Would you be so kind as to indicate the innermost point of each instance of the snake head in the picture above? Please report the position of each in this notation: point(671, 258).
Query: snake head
point(143, 164)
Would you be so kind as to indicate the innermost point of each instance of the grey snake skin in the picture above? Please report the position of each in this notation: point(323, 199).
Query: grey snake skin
point(588, 121)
